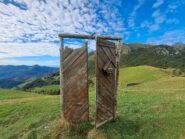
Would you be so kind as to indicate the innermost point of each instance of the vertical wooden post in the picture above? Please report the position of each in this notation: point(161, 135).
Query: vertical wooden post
point(118, 50)
point(118, 61)
point(86, 47)
point(61, 74)
point(96, 54)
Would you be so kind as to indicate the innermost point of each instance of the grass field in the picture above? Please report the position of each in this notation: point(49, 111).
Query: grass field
point(24, 115)
point(155, 108)
point(50, 90)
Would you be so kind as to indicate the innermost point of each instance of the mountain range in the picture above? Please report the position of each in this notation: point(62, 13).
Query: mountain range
point(162, 56)
point(135, 54)
point(11, 76)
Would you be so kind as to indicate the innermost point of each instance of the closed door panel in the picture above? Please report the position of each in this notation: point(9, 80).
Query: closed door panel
point(75, 85)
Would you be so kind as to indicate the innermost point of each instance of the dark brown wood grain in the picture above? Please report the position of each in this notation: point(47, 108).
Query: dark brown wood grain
point(105, 81)
point(75, 85)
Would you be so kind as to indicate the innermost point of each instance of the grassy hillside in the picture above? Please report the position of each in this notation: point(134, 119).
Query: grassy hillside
point(50, 90)
point(153, 108)
point(176, 83)
point(51, 79)
point(162, 56)
point(25, 115)
point(150, 78)
point(142, 74)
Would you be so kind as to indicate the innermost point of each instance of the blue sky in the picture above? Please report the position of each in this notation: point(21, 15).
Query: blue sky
point(29, 28)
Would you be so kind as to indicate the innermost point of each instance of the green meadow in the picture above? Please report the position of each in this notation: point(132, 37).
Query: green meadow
point(153, 107)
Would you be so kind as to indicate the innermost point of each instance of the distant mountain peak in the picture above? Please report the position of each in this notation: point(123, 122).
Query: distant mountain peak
point(180, 43)
point(179, 46)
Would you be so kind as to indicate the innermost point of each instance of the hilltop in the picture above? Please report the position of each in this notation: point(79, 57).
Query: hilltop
point(144, 78)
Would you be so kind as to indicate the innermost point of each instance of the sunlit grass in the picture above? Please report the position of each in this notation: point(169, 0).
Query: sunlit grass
point(155, 108)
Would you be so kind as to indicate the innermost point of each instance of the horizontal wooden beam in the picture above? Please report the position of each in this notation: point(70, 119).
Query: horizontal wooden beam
point(81, 36)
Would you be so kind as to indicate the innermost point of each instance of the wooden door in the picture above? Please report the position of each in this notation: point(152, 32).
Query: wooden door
point(106, 80)
point(75, 85)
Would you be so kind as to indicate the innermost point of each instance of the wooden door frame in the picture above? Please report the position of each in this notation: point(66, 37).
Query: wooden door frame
point(92, 37)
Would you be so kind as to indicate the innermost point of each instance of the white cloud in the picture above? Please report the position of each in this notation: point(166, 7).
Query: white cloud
point(28, 49)
point(174, 6)
point(44, 20)
point(169, 37)
point(151, 27)
point(154, 27)
point(172, 21)
point(158, 3)
point(51, 63)
point(158, 17)
point(131, 19)
point(11, 53)
point(161, 18)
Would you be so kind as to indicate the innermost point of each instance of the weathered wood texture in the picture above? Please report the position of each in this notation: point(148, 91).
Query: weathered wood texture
point(75, 85)
point(81, 36)
point(106, 71)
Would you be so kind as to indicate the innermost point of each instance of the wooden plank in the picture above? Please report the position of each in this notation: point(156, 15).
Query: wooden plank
point(109, 55)
point(67, 52)
point(72, 58)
